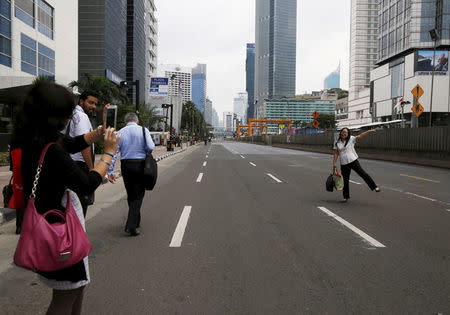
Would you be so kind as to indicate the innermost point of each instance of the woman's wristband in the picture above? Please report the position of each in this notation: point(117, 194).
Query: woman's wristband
point(111, 155)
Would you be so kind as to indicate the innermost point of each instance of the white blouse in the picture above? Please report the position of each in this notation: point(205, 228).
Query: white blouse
point(347, 154)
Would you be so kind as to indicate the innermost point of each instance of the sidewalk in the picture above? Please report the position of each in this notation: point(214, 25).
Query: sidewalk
point(6, 215)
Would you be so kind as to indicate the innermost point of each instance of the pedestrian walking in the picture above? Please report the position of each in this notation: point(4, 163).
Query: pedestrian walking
point(345, 151)
point(80, 124)
point(46, 111)
point(133, 148)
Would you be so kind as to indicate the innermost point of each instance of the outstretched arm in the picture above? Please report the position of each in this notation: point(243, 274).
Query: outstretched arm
point(365, 133)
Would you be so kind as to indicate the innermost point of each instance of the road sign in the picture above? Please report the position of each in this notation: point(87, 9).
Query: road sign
point(315, 115)
point(281, 126)
point(417, 109)
point(316, 124)
point(417, 91)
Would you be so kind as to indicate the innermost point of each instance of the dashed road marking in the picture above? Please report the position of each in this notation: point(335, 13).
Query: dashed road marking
point(419, 196)
point(204, 163)
point(252, 164)
point(274, 178)
point(365, 236)
point(177, 237)
point(355, 182)
point(242, 156)
point(421, 178)
point(199, 178)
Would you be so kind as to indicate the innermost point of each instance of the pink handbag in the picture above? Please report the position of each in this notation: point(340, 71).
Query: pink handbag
point(45, 246)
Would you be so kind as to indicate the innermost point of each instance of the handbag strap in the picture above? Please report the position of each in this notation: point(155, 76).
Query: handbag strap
point(39, 169)
point(145, 139)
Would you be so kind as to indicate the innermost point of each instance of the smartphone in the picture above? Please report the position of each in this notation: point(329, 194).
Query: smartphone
point(111, 116)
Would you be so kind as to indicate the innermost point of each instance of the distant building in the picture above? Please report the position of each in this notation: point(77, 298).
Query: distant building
point(341, 110)
point(228, 121)
point(215, 118)
point(180, 80)
point(296, 109)
point(333, 80)
point(250, 79)
point(240, 104)
point(208, 111)
point(199, 86)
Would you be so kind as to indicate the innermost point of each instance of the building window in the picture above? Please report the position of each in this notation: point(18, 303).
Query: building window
point(5, 33)
point(45, 19)
point(46, 61)
point(28, 54)
point(24, 11)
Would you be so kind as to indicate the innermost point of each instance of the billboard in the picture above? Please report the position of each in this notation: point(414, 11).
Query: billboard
point(429, 61)
point(159, 86)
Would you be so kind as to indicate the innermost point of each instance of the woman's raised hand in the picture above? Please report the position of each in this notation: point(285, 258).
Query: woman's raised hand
point(111, 139)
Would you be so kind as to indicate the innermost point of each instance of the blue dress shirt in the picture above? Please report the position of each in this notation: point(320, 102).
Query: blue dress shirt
point(132, 144)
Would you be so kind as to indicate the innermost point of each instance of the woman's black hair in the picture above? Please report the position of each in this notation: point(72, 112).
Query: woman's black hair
point(43, 114)
point(340, 136)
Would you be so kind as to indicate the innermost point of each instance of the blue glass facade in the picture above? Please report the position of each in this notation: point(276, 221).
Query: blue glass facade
point(199, 87)
point(28, 54)
point(5, 33)
point(332, 81)
point(250, 79)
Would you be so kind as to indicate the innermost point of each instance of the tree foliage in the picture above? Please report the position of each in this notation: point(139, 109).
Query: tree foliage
point(192, 120)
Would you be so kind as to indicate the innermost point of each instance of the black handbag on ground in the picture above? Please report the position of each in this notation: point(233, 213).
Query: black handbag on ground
point(150, 167)
point(7, 193)
point(329, 185)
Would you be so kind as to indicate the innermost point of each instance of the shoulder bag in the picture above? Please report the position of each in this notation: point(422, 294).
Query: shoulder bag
point(51, 241)
point(150, 167)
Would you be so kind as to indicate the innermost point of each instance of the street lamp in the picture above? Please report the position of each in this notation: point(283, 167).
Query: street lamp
point(434, 36)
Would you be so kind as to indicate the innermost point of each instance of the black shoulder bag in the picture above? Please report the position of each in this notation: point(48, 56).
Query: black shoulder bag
point(150, 167)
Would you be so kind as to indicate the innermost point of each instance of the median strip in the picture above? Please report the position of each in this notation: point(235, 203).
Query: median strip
point(363, 235)
point(421, 178)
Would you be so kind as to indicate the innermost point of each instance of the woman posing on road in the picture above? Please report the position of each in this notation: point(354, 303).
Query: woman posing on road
point(345, 150)
point(46, 111)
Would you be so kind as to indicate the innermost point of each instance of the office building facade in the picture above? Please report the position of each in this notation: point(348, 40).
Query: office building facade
point(333, 80)
point(180, 80)
point(199, 86)
point(151, 53)
point(250, 79)
point(38, 38)
point(240, 104)
point(275, 44)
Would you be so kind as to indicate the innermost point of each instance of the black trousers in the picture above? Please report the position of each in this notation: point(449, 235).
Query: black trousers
point(347, 169)
point(85, 200)
point(133, 178)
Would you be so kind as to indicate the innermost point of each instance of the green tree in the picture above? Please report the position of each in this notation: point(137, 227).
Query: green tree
point(327, 121)
point(193, 121)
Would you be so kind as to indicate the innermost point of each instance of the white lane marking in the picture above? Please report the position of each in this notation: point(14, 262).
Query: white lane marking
point(242, 156)
point(419, 196)
point(199, 178)
point(274, 178)
point(365, 236)
point(313, 157)
point(207, 156)
point(355, 182)
point(252, 164)
point(177, 237)
point(204, 163)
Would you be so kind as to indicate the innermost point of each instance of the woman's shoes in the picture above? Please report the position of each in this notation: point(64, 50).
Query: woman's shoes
point(377, 189)
point(344, 200)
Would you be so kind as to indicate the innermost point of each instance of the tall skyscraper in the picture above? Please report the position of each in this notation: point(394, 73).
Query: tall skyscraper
point(208, 112)
point(333, 80)
point(240, 104)
point(250, 79)
point(199, 86)
point(363, 44)
point(151, 33)
point(276, 34)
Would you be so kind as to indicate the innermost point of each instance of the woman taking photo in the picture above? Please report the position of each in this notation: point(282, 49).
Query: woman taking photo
point(46, 111)
point(345, 150)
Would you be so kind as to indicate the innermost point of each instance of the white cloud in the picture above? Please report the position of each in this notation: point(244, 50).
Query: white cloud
point(215, 32)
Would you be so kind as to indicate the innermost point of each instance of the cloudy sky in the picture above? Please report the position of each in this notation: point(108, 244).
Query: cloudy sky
point(215, 32)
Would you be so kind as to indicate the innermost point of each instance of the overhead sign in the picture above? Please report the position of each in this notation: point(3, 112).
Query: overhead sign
point(417, 91)
point(417, 109)
point(159, 86)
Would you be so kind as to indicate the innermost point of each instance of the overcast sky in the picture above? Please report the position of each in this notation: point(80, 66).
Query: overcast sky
point(215, 32)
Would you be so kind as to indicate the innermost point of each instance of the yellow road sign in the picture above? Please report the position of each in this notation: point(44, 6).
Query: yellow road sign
point(417, 109)
point(281, 126)
point(417, 91)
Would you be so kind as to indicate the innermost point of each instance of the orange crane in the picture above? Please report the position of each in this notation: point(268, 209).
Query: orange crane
point(253, 121)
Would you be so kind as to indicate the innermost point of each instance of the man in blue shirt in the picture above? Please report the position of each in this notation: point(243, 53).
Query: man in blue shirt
point(133, 149)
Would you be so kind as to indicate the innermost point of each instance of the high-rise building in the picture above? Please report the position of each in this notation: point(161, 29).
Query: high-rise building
point(228, 121)
point(208, 111)
point(114, 41)
point(199, 86)
point(363, 44)
point(215, 118)
point(250, 79)
point(240, 104)
point(408, 57)
point(151, 34)
point(180, 80)
point(38, 38)
point(333, 80)
point(276, 40)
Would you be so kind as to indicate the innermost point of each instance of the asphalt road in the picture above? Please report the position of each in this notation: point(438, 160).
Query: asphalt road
point(236, 228)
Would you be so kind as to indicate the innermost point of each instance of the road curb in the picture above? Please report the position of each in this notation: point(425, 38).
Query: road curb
point(7, 215)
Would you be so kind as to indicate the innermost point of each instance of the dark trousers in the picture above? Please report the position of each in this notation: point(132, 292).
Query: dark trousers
point(85, 200)
point(347, 169)
point(133, 178)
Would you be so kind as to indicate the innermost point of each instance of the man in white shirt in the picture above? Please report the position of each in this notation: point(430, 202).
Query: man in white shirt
point(79, 125)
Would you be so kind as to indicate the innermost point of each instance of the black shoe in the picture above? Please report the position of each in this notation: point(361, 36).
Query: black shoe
point(134, 232)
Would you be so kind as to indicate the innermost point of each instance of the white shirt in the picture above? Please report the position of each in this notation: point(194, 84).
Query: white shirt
point(79, 125)
point(347, 154)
